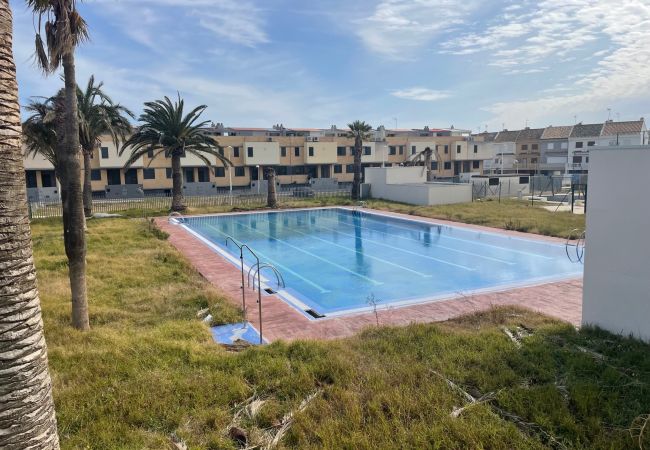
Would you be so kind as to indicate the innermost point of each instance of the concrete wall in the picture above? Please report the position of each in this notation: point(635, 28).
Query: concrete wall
point(616, 278)
point(406, 185)
point(324, 152)
point(264, 153)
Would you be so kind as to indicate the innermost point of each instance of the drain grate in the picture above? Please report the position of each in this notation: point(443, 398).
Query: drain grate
point(314, 314)
point(269, 291)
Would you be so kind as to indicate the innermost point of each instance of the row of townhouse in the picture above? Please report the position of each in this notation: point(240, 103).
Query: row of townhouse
point(298, 156)
point(557, 150)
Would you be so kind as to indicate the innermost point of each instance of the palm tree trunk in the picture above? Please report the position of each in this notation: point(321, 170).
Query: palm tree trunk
point(74, 237)
point(88, 189)
point(356, 184)
point(27, 417)
point(177, 184)
point(271, 194)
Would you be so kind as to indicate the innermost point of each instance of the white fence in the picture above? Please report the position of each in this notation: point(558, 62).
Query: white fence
point(42, 210)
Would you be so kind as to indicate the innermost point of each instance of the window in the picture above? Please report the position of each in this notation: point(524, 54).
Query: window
point(351, 151)
point(281, 170)
point(48, 179)
point(298, 170)
point(447, 165)
point(434, 165)
point(131, 176)
point(338, 168)
point(577, 159)
point(221, 151)
point(311, 151)
point(235, 152)
point(283, 151)
point(534, 147)
point(30, 178)
point(149, 174)
point(220, 172)
point(587, 159)
point(579, 144)
point(446, 149)
point(96, 175)
point(392, 150)
point(401, 149)
point(367, 151)
point(458, 149)
point(524, 147)
point(168, 172)
point(189, 175)
point(349, 168)
point(250, 152)
point(104, 151)
point(591, 143)
point(204, 174)
point(413, 150)
point(150, 154)
point(533, 160)
point(340, 151)
point(564, 145)
point(296, 151)
point(476, 164)
point(524, 180)
point(475, 148)
point(550, 146)
point(240, 171)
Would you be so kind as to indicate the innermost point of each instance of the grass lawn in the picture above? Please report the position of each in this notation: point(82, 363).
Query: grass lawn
point(148, 369)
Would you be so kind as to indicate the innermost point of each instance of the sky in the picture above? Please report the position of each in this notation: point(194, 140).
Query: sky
point(399, 63)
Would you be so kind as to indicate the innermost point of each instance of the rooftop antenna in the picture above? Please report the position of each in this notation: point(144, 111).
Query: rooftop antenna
point(609, 113)
point(575, 119)
point(526, 123)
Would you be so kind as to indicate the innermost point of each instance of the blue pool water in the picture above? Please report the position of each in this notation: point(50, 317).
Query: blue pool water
point(334, 260)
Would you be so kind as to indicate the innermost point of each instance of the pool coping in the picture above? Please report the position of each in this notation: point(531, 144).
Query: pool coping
point(560, 299)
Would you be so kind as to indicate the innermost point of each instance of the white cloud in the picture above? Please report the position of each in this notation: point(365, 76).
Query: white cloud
point(398, 28)
point(420, 94)
point(553, 33)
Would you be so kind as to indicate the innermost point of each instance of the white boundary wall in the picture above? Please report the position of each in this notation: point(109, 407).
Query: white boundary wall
point(408, 185)
point(617, 256)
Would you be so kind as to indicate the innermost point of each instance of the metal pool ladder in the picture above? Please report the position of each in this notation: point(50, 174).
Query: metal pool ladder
point(578, 246)
point(258, 266)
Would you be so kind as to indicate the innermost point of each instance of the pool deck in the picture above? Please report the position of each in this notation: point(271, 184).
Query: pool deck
point(562, 300)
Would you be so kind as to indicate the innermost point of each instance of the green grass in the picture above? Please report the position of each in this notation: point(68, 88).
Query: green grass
point(509, 214)
point(148, 369)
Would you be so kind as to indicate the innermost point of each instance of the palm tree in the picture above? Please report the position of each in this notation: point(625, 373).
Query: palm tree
point(98, 115)
point(271, 192)
point(166, 131)
point(39, 135)
point(359, 130)
point(64, 29)
point(27, 417)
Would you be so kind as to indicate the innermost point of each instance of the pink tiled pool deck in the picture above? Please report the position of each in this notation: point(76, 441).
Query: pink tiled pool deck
point(561, 300)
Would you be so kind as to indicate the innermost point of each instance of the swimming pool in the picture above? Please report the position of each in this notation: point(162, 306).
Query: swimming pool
point(335, 260)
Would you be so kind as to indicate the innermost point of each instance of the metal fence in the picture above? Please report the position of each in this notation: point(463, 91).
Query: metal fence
point(42, 210)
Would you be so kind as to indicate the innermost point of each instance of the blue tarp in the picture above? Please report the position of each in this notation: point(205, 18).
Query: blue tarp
point(228, 334)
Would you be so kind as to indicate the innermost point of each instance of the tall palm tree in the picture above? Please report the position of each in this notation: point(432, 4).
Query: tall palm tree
point(39, 135)
point(359, 130)
point(65, 29)
point(271, 191)
point(98, 115)
point(166, 131)
point(27, 417)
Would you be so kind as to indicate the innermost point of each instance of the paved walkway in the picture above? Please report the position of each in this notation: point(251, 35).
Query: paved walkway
point(562, 300)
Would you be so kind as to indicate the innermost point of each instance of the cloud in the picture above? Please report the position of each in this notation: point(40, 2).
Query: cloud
point(398, 28)
point(420, 94)
point(552, 33)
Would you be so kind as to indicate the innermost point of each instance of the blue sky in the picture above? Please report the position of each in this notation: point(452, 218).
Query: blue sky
point(466, 63)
